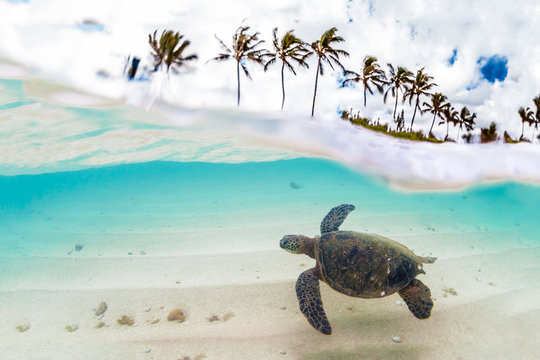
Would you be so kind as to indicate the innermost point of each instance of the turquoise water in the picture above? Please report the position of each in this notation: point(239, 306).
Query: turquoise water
point(167, 208)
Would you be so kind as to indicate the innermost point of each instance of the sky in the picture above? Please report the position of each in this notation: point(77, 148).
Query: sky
point(482, 54)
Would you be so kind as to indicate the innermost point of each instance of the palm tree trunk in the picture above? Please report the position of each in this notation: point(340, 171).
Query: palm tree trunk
point(414, 113)
point(432, 123)
point(364, 96)
point(447, 130)
point(282, 85)
point(395, 106)
point(522, 128)
point(238, 79)
point(315, 91)
point(458, 130)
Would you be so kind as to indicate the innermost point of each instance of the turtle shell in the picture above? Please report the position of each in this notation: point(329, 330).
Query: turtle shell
point(365, 265)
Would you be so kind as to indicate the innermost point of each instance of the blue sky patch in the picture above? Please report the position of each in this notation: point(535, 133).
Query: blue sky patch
point(472, 86)
point(413, 32)
point(452, 59)
point(341, 77)
point(91, 26)
point(494, 68)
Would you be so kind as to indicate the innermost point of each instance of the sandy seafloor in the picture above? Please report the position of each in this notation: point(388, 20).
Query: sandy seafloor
point(202, 236)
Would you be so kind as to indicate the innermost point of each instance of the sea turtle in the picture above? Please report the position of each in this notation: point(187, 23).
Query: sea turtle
point(356, 264)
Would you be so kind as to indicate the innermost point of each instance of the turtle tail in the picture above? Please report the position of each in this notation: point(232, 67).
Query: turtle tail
point(427, 259)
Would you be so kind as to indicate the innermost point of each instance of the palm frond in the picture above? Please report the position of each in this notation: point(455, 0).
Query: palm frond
point(269, 62)
point(245, 70)
point(222, 57)
point(222, 44)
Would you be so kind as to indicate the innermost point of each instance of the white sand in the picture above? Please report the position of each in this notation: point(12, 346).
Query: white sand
point(494, 315)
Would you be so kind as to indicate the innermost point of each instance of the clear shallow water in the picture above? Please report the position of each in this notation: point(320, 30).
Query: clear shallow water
point(168, 208)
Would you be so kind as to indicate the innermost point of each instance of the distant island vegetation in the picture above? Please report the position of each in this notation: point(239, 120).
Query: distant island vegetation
point(399, 83)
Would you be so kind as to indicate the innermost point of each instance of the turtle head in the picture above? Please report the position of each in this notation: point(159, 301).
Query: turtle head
point(296, 244)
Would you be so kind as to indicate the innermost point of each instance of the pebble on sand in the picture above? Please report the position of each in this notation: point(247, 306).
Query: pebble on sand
point(295, 186)
point(126, 320)
point(101, 308)
point(100, 325)
point(72, 328)
point(396, 339)
point(23, 327)
point(198, 357)
point(78, 247)
point(177, 315)
point(450, 291)
point(228, 316)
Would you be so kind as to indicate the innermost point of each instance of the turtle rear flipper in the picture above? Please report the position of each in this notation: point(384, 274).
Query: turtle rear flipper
point(309, 297)
point(417, 296)
point(333, 220)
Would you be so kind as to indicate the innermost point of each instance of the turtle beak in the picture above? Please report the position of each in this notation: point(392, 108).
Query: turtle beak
point(283, 243)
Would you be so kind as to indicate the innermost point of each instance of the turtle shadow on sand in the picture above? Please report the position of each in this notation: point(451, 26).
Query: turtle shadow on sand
point(358, 265)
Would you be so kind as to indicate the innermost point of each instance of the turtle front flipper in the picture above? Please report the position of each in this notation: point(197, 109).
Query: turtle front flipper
point(333, 220)
point(417, 296)
point(309, 297)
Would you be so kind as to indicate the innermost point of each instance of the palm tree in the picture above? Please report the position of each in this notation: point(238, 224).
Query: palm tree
point(371, 73)
point(536, 101)
point(527, 116)
point(243, 48)
point(398, 79)
point(326, 53)
point(288, 48)
point(450, 116)
point(169, 50)
point(466, 119)
point(436, 107)
point(489, 134)
point(420, 86)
